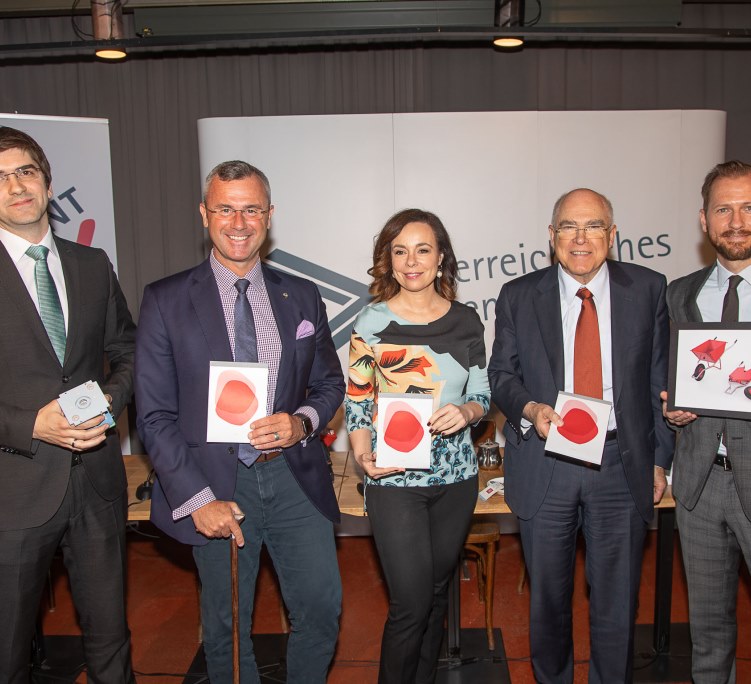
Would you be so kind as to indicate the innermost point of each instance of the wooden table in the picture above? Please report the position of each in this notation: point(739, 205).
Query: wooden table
point(348, 475)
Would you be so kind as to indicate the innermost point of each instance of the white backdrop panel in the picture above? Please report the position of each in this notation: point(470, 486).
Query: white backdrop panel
point(492, 177)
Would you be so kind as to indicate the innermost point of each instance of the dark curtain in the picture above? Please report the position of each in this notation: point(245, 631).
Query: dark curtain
point(153, 103)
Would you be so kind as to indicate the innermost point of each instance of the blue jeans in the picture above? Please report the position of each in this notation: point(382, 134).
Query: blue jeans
point(300, 541)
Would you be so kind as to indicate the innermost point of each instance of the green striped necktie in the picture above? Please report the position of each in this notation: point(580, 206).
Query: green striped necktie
point(49, 302)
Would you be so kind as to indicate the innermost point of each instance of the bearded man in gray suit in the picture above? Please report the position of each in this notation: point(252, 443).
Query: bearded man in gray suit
point(712, 472)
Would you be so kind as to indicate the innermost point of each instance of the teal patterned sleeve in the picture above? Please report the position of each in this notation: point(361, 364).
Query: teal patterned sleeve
point(359, 401)
point(478, 387)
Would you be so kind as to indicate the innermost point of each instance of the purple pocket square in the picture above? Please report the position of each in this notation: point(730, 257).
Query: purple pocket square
point(305, 329)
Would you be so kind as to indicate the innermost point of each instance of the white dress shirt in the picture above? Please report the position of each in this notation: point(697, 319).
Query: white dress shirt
point(571, 306)
point(16, 247)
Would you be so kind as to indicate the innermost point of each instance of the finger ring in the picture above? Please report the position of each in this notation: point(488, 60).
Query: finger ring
point(276, 437)
point(73, 444)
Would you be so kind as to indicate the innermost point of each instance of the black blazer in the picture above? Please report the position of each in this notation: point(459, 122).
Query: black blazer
point(100, 333)
point(527, 364)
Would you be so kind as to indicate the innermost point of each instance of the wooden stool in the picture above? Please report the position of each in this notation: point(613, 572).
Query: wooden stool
point(481, 542)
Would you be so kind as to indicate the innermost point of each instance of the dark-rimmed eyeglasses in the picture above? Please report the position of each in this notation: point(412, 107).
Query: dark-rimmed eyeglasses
point(248, 214)
point(22, 173)
point(569, 231)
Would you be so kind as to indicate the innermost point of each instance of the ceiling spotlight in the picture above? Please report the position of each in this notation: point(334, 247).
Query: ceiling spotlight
point(508, 42)
point(107, 22)
point(110, 53)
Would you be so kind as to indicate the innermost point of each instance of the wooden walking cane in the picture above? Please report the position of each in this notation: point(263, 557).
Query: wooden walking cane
point(235, 613)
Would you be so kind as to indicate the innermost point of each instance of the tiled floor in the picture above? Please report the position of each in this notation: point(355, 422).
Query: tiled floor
point(163, 609)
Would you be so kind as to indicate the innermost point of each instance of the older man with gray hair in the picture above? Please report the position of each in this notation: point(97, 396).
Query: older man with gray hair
point(597, 328)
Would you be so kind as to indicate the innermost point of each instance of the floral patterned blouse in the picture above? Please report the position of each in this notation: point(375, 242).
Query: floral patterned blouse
point(444, 358)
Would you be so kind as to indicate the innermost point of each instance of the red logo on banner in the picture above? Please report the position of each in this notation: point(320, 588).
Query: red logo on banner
point(86, 232)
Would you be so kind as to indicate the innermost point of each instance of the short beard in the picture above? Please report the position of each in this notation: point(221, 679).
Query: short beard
point(731, 252)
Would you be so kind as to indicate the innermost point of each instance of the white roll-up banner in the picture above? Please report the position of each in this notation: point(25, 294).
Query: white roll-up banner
point(81, 208)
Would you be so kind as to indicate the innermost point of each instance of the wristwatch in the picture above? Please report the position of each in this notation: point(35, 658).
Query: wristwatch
point(307, 424)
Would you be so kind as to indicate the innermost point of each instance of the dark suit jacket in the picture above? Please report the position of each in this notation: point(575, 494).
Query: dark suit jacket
point(698, 441)
point(35, 474)
point(182, 329)
point(527, 364)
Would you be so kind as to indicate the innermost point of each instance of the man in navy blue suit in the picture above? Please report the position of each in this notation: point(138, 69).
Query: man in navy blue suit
point(232, 307)
point(534, 357)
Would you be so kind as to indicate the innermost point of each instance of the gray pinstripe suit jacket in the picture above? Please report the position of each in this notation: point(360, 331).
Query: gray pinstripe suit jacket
point(697, 442)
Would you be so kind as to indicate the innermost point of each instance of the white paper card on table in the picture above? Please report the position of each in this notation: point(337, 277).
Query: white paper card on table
point(493, 486)
point(403, 438)
point(582, 436)
point(237, 397)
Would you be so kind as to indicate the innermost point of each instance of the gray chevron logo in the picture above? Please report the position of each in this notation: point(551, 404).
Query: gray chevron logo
point(344, 297)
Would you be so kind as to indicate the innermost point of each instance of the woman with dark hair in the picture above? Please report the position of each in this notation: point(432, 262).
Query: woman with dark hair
point(415, 338)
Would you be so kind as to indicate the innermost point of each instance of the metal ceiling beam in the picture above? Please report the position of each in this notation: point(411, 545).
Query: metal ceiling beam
point(173, 45)
point(312, 17)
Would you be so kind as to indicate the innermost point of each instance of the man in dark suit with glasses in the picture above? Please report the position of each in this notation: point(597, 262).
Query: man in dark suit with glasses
point(64, 322)
point(598, 328)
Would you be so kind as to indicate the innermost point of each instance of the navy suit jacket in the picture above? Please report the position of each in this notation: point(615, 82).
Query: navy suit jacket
point(36, 474)
point(527, 364)
point(182, 329)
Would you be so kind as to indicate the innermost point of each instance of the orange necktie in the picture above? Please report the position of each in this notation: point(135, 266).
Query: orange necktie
point(587, 359)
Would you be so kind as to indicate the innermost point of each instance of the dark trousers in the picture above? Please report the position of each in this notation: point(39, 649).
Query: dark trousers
point(599, 503)
point(300, 541)
point(91, 533)
point(419, 533)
